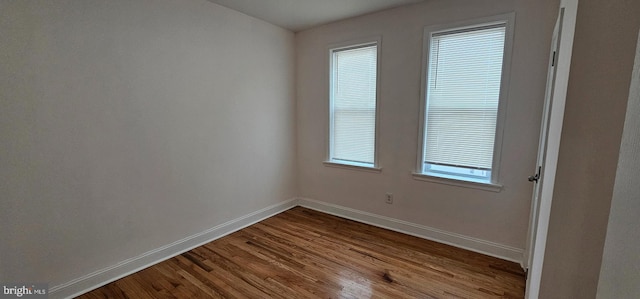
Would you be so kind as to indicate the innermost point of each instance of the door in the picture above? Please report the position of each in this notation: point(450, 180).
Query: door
point(536, 178)
point(543, 177)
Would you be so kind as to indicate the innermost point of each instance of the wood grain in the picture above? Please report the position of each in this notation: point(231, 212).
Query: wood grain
point(303, 253)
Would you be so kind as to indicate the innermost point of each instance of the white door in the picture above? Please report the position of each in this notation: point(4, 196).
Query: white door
point(537, 178)
point(543, 176)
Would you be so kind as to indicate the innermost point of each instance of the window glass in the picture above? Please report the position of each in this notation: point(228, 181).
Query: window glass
point(464, 73)
point(353, 105)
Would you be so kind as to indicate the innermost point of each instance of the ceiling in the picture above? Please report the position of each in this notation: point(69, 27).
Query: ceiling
point(297, 15)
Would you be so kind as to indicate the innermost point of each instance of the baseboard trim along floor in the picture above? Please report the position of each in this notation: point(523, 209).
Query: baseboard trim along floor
point(109, 274)
point(461, 241)
point(104, 276)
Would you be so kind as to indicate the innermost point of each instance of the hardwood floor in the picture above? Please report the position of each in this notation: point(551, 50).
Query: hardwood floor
point(303, 253)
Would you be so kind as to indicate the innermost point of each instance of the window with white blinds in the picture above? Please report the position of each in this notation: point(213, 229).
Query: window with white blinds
point(353, 105)
point(464, 75)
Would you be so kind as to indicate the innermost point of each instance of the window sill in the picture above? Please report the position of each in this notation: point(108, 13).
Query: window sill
point(457, 182)
point(352, 167)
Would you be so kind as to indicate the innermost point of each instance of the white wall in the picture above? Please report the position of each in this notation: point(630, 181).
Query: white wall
point(502, 217)
point(620, 270)
point(598, 92)
point(127, 125)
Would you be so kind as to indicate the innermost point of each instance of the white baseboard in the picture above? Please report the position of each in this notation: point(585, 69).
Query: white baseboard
point(457, 240)
point(112, 273)
point(104, 276)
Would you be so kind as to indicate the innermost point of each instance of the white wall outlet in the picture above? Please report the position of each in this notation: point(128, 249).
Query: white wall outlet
point(389, 198)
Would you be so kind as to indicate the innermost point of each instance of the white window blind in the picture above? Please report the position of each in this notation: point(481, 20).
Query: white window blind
point(353, 105)
point(463, 92)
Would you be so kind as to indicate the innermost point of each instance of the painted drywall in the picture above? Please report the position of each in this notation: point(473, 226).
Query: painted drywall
point(501, 218)
point(620, 270)
point(128, 125)
point(599, 80)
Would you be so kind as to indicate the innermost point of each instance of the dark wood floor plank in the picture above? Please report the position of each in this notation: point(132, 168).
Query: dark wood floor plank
point(132, 289)
point(390, 252)
point(358, 256)
point(331, 272)
point(341, 257)
point(302, 253)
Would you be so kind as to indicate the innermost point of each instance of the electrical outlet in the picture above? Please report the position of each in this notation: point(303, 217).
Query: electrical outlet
point(389, 198)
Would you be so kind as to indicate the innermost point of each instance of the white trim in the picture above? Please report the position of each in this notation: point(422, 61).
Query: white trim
point(352, 166)
point(457, 182)
point(509, 20)
point(129, 266)
point(457, 240)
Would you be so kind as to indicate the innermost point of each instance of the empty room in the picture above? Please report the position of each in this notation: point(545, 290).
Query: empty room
point(319, 149)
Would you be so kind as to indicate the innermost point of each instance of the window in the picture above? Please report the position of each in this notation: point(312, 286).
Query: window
point(353, 98)
point(463, 93)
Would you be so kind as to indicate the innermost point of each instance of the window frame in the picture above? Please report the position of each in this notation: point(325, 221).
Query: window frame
point(329, 160)
point(493, 184)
